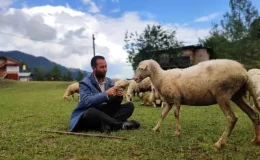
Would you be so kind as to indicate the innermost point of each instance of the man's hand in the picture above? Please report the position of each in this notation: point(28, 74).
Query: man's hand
point(119, 92)
point(111, 91)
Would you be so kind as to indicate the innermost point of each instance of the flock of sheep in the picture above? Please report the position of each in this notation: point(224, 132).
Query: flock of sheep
point(209, 82)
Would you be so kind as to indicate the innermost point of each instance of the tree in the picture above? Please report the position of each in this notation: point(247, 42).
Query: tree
point(80, 76)
point(67, 76)
point(236, 27)
point(55, 73)
point(145, 46)
point(236, 38)
point(218, 42)
point(38, 74)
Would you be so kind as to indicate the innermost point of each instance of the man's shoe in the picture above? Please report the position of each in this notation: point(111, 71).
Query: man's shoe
point(105, 128)
point(136, 124)
point(132, 124)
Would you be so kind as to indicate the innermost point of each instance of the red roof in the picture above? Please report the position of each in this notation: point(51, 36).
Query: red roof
point(10, 62)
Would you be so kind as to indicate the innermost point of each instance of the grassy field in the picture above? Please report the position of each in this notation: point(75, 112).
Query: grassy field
point(26, 108)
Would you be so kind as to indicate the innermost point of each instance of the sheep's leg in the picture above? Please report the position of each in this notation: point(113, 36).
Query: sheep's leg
point(163, 115)
point(72, 96)
point(231, 121)
point(162, 104)
point(176, 114)
point(253, 115)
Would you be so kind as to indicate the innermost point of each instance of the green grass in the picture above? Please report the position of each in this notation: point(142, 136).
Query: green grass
point(28, 107)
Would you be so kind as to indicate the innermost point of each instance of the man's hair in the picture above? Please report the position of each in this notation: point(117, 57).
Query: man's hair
point(94, 60)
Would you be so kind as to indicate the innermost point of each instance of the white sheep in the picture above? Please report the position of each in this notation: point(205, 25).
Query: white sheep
point(138, 88)
point(122, 83)
point(253, 71)
point(207, 83)
point(72, 88)
point(255, 76)
point(155, 97)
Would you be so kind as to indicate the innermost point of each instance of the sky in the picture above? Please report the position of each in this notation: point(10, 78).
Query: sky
point(61, 30)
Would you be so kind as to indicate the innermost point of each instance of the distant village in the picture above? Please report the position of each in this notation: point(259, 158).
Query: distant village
point(12, 69)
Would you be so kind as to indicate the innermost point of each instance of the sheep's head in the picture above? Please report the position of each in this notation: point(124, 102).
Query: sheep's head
point(122, 83)
point(142, 71)
point(129, 97)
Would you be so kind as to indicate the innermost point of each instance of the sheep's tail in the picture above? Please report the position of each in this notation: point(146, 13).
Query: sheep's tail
point(252, 92)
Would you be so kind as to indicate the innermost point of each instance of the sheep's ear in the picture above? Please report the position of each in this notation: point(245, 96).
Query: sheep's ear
point(143, 67)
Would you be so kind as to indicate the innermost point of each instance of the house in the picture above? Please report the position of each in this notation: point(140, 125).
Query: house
point(10, 69)
point(25, 76)
point(184, 56)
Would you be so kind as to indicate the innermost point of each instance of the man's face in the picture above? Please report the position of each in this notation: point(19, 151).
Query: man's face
point(101, 69)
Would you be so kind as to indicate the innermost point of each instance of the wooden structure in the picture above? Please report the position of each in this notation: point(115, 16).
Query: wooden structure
point(9, 68)
point(184, 56)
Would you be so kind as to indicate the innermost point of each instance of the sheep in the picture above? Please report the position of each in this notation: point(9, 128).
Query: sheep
point(138, 88)
point(208, 82)
point(115, 79)
point(255, 76)
point(155, 98)
point(72, 88)
point(122, 83)
point(253, 71)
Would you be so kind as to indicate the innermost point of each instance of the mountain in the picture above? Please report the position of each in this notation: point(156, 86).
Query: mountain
point(34, 62)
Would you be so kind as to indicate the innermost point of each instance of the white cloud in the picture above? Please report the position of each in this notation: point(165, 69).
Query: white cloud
point(115, 1)
point(5, 3)
point(115, 10)
point(75, 28)
point(207, 18)
point(92, 6)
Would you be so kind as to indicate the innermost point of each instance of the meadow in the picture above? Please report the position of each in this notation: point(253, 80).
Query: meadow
point(27, 108)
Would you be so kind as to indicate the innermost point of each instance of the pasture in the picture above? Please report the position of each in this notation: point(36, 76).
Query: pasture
point(26, 108)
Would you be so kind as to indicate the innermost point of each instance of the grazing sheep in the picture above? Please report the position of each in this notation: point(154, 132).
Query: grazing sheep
point(155, 98)
point(138, 88)
point(209, 82)
point(73, 88)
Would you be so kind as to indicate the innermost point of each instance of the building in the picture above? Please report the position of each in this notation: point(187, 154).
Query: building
point(25, 76)
point(10, 69)
point(184, 56)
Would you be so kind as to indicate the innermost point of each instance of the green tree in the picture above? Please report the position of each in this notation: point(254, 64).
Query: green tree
point(39, 74)
point(80, 76)
point(145, 46)
point(67, 76)
point(218, 42)
point(55, 73)
point(236, 38)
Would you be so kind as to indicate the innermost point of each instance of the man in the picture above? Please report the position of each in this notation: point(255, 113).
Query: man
point(100, 105)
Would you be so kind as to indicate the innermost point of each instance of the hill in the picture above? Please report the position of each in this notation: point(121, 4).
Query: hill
point(34, 62)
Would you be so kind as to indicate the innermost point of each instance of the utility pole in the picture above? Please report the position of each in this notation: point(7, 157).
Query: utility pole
point(93, 44)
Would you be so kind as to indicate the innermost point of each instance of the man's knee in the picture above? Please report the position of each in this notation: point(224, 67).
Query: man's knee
point(130, 106)
point(90, 111)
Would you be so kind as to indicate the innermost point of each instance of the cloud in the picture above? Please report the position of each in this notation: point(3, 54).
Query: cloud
point(115, 10)
point(65, 35)
point(92, 6)
point(207, 18)
point(5, 3)
point(115, 1)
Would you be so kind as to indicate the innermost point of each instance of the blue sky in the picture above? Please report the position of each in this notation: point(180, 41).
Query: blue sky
point(164, 11)
point(68, 23)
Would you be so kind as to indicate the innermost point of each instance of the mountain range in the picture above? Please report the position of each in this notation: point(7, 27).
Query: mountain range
point(35, 62)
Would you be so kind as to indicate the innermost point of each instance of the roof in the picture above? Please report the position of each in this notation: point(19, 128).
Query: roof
point(13, 62)
point(25, 74)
